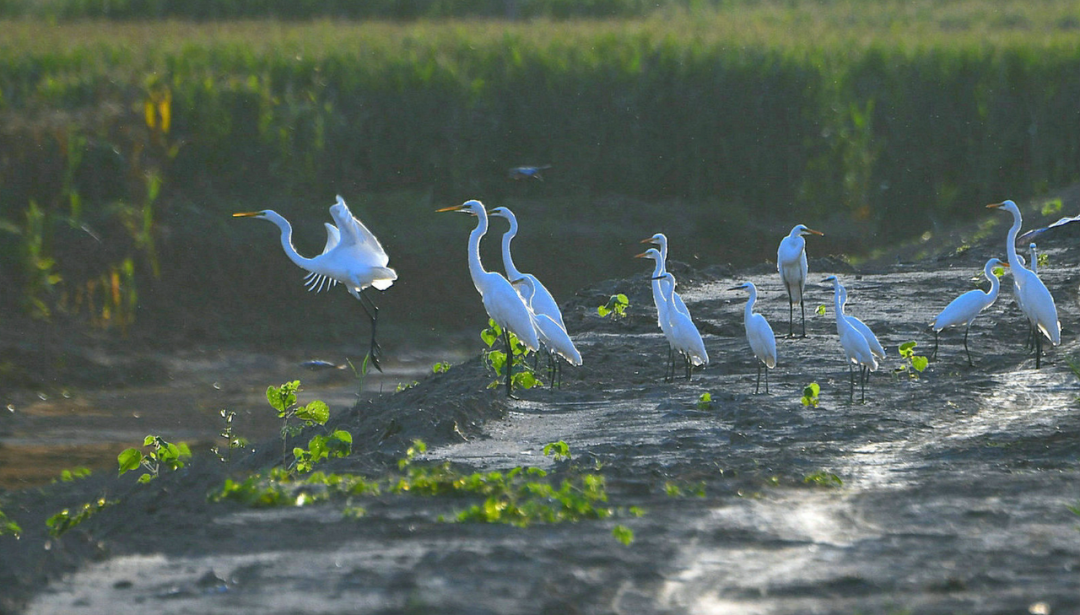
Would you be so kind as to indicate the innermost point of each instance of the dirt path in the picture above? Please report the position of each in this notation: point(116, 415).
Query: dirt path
point(955, 494)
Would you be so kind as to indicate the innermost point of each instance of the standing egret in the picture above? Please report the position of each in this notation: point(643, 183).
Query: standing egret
point(791, 263)
point(965, 308)
point(552, 337)
point(682, 334)
point(660, 239)
point(860, 326)
point(856, 348)
point(541, 301)
point(1035, 300)
point(660, 299)
point(352, 256)
point(760, 335)
point(503, 304)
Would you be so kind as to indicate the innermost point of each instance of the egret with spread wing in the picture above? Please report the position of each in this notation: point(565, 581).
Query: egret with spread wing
point(352, 256)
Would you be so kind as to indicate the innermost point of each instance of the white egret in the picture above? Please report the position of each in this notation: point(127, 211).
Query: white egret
point(791, 263)
point(965, 308)
point(541, 300)
point(860, 326)
point(760, 335)
point(660, 299)
point(660, 239)
point(682, 334)
point(503, 304)
point(552, 337)
point(856, 348)
point(1035, 300)
point(353, 256)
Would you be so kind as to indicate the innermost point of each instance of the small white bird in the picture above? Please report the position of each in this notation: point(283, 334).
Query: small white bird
point(856, 348)
point(541, 300)
point(860, 326)
point(503, 304)
point(791, 263)
point(353, 256)
point(965, 308)
point(660, 239)
point(1035, 299)
point(552, 337)
point(760, 335)
point(682, 334)
point(660, 294)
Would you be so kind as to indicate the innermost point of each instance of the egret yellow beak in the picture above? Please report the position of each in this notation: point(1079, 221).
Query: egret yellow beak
point(642, 255)
point(994, 205)
point(810, 230)
point(247, 214)
point(454, 208)
point(648, 240)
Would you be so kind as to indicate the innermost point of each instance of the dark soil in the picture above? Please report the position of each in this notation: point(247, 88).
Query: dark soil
point(955, 494)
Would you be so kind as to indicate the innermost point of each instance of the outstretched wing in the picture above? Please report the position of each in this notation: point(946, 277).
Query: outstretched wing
point(333, 237)
point(356, 236)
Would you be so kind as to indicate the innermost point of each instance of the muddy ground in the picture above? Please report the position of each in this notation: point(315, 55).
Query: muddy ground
point(955, 496)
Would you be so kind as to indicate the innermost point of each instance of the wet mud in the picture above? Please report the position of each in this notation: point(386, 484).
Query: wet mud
point(955, 493)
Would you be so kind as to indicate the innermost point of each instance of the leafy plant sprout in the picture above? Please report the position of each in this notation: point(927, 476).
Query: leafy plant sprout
point(165, 455)
point(232, 441)
point(704, 402)
point(810, 395)
point(525, 377)
point(283, 399)
point(615, 307)
point(913, 364)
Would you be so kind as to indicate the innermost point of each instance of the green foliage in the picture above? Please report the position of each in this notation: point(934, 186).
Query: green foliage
point(9, 527)
point(675, 490)
point(67, 476)
point(232, 441)
point(164, 455)
point(615, 307)
point(360, 374)
point(822, 478)
point(623, 534)
point(704, 402)
point(442, 366)
point(913, 364)
point(559, 450)
point(525, 378)
point(1042, 260)
point(820, 310)
point(65, 520)
point(283, 400)
point(810, 395)
point(1051, 207)
point(1073, 509)
point(337, 444)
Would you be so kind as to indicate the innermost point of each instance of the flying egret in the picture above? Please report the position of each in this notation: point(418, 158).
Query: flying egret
point(760, 335)
point(660, 239)
point(965, 308)
point(660, 299)
point(1035, 300)
point(503, 304)
point(682, 334)
point(856, 348)
point(860, 326)
point(552, 337)
point(541, 300)
point(791, 263)
point(353, 256)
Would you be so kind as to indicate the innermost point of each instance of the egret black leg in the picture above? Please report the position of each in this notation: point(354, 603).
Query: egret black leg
point(790, 314)
point(933, 355)
point(509, 365)
point(970, 362)
point(1038, 350)
point(864, 375)
point(851, 377)
point(372, 312)
point(802, 308)
point(766, 380)
point(669, 373)
point(758, 383)
point(689, 366)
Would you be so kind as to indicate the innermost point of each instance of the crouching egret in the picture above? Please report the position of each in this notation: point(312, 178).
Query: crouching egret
point(760, 335)
point(1035, 300)
point(791, 263)
point(856, 348)
point(682, 335)
point(353, 256)
point(503, 304)
point(965, 308)
point(552, 337)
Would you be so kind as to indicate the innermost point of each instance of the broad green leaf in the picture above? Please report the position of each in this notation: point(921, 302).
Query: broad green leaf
point(907, 346)
point(129, 460)
point(316, 412)
point(145, 478)
point(148, 440)
point(623, 534)
point(919, 363)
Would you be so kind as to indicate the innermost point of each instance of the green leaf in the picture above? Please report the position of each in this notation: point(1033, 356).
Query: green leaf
point(315, 413)
point(906, 346)
point(145, 478)
point(148, 440)
point(821, 310)
point(623, 534)
point(919, 363)
point(129, 460)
